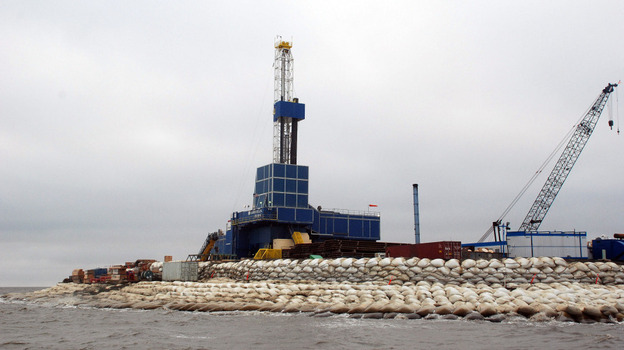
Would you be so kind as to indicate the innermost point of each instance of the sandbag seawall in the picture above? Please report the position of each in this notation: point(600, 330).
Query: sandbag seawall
point(580, 302)
point(507, 272)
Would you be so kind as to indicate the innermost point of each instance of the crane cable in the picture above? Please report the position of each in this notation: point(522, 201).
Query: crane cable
point(258, 133)
point(565, 139)
point(617, 110)
point(610, 109)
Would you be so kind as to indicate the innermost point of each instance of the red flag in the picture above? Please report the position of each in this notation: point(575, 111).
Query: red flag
point(372, 205)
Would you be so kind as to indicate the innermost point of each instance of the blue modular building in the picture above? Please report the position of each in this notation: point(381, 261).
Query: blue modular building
point(280, 207)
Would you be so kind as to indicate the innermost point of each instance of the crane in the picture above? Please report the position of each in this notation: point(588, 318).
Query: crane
point(204, 252)
point(566, 161)
point(582, 131)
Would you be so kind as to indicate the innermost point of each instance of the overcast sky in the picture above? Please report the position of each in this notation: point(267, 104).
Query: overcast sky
point(131, 130)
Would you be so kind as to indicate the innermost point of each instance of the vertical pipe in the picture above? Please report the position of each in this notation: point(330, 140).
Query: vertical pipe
point(293, 137)
point(282, 141)
point(416, 215)
point(293, 142)
point(283, 77)
point(282, 98)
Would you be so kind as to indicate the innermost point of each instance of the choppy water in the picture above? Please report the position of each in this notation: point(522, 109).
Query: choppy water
point(26, 325)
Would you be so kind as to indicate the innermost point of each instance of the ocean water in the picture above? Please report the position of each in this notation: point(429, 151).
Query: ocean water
point(26, 325)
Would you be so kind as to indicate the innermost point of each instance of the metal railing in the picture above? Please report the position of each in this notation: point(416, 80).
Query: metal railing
point(254, 217)
point(351, 212)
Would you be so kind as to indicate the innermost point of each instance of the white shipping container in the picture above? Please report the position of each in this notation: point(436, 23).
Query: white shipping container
point(180, 271)
point(537, 244)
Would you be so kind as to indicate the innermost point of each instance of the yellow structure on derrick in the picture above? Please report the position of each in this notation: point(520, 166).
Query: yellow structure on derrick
point(283, 44)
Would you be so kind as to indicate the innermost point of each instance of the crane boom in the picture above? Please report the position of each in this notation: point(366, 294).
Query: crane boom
point(565, 163)
point(209, 243)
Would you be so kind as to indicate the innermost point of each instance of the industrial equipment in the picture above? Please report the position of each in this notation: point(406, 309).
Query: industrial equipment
point(280, 205)
point(204, 252)
point(581, 133)
point(612, 249)
point(143, 267)
point(566, 161)
point(301, 238)
point(265, 254)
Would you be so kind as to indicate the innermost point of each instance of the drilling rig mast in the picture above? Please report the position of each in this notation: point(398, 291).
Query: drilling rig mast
point(284, 128)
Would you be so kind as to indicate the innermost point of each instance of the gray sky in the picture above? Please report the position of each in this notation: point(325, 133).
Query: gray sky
point(132, 130)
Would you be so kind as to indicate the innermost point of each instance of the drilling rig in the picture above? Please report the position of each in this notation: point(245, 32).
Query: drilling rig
point(280, 203)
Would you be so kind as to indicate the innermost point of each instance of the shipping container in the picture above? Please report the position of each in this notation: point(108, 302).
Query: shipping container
point(78, 276)
point(432, 250)
point(117, 270)
point(180, 271)
point(89, 277)
point(438, 250)
point(118, 278)
point(100, 272)
point(405, 250)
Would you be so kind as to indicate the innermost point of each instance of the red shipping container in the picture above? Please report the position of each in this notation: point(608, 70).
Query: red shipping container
point(404, 250)
point(438, 250)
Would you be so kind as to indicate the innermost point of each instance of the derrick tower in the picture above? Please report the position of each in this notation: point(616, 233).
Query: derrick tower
point(287, 111)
